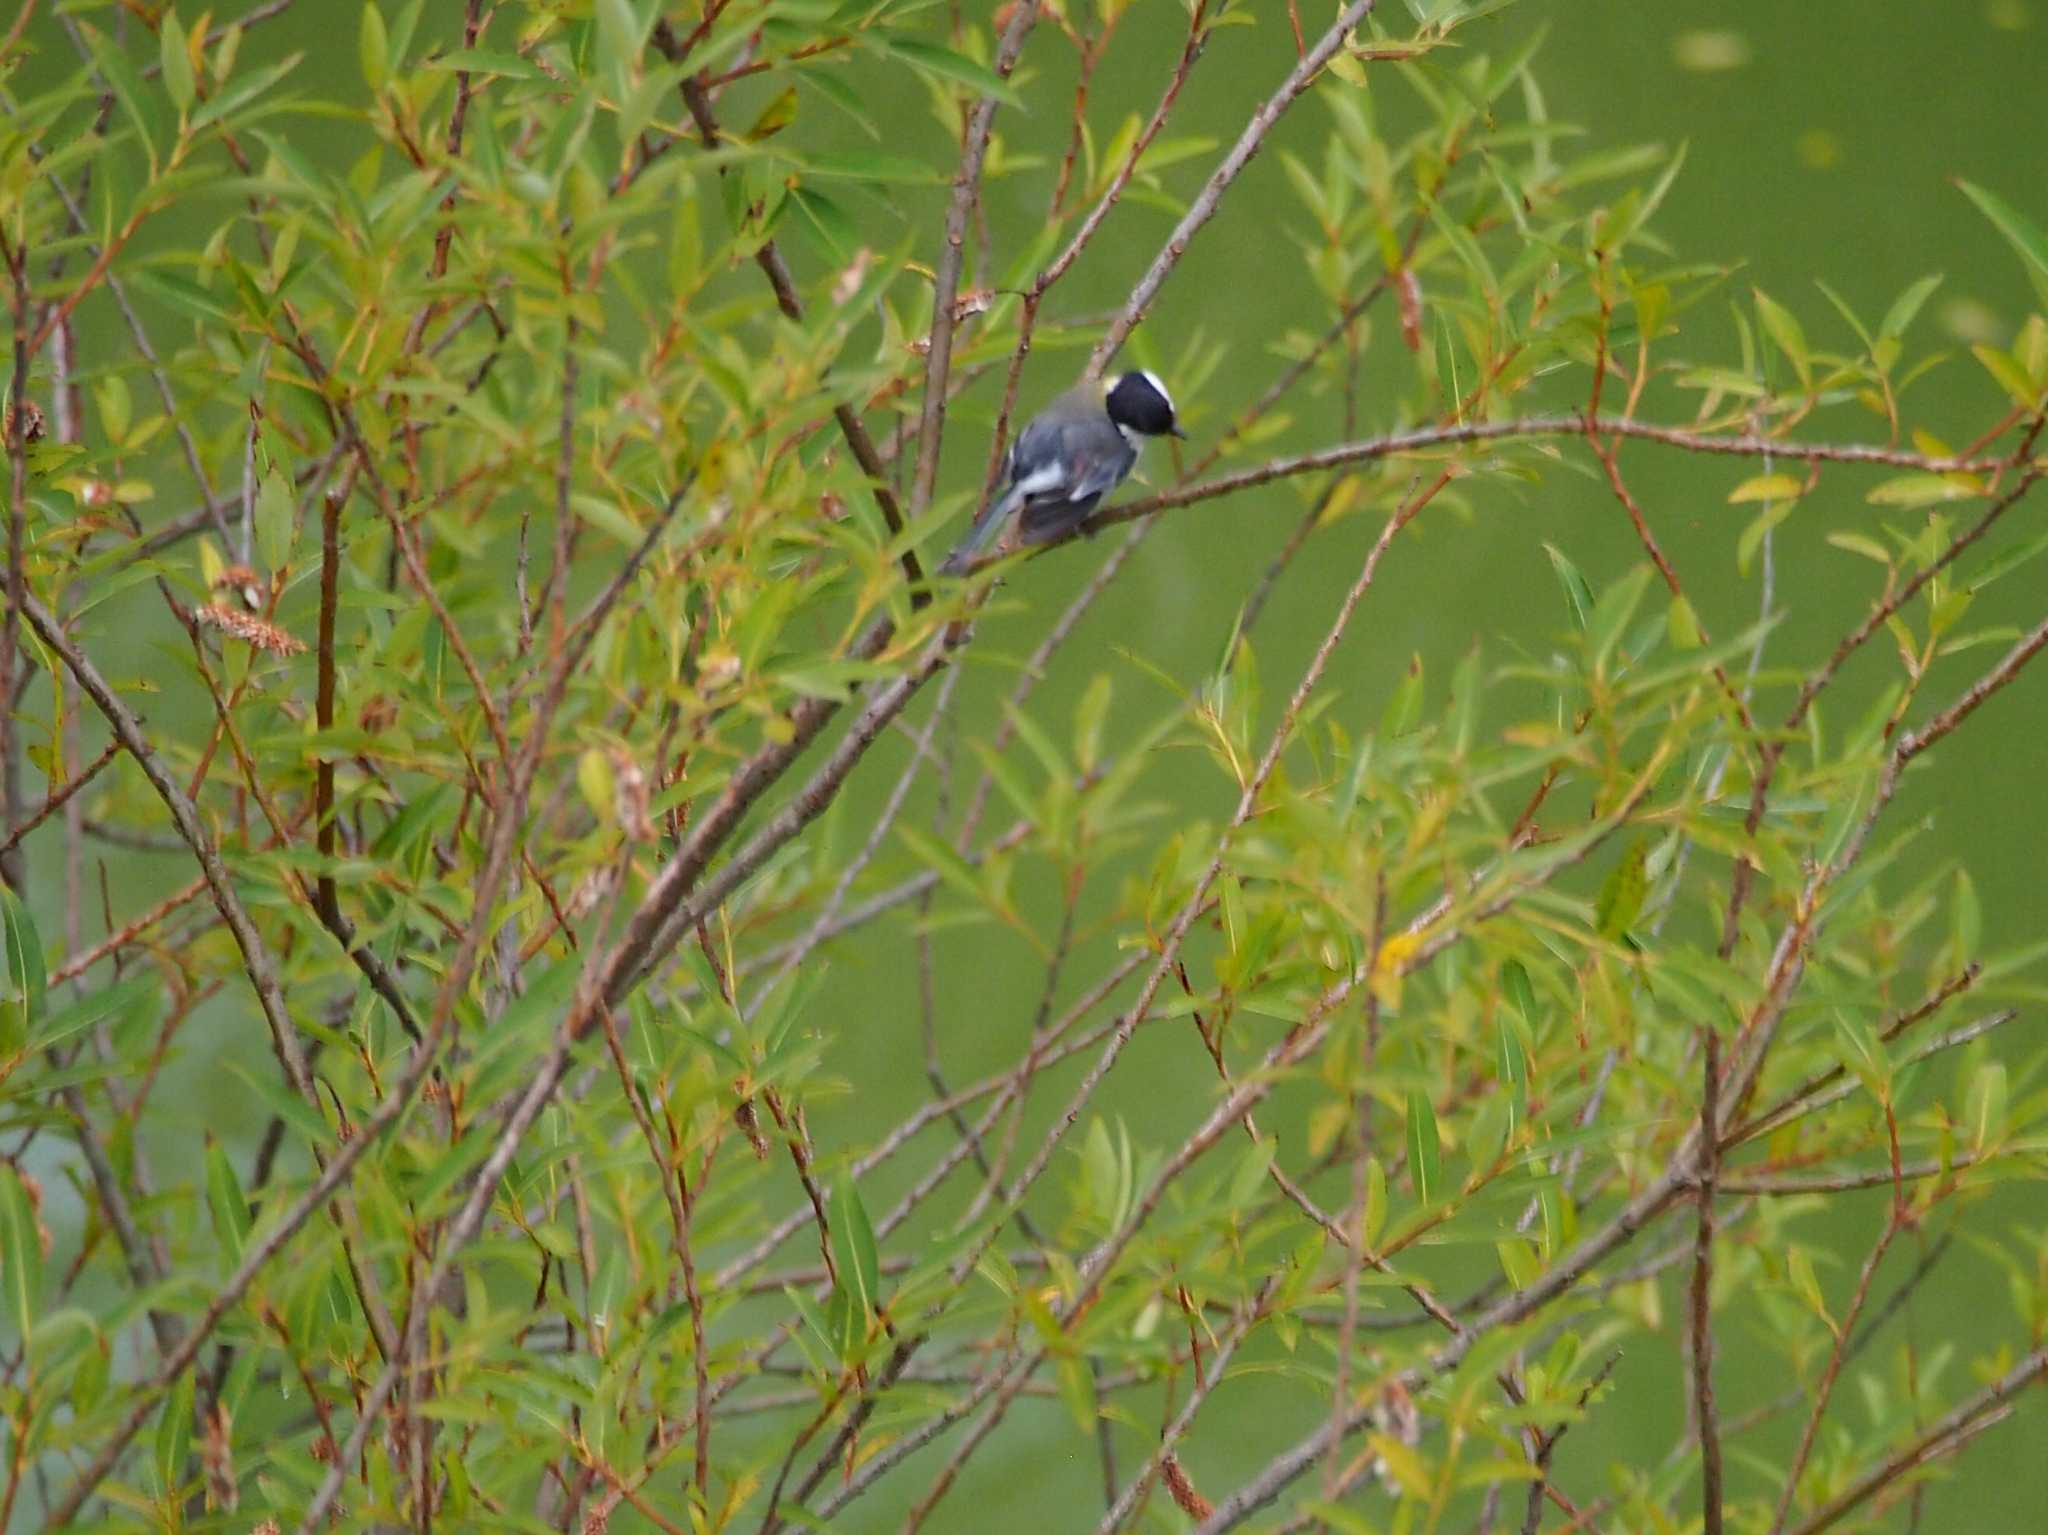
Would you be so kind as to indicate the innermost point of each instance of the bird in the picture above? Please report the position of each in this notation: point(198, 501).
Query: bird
point(1068, 457)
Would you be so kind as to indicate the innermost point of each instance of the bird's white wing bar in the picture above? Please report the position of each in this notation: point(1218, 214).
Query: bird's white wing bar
point(1040, 480)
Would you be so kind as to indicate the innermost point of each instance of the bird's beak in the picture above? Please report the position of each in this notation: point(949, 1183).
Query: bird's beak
point(1175, 431)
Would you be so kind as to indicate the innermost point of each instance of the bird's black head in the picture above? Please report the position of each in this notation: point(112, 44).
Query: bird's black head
point(1139, 403)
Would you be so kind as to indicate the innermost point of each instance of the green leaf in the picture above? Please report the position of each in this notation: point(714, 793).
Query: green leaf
point(853, 1249)
point(1856, 543)
point(1682, 625)
point(1907, 305)
point(931, 59)
point(1089, 717)
point(1923, 489)
point(174, 1439)
point(176, 60)
point(26, 985)
point(21, 1254)
point(1250, 1173)
point(1513, 1067)
point(1425, 1149)
point(1766, 487)
point(1864, 1053)
point(2011, 377)
point(1622, 892)
point(373, 47)
point(618, 38)
point(138, 100)
point(1518, 1261)
point(227, 1204)
point(1753, 535)
point(774, 117)
point(866, 165)
point(827, 224)
point(1799, 1271)
point(232, 99)
point(1783, 327)
point(185, 295)
point(1373, 1219)
point(1404, 709)
point(1514, 985)
point(1578, 595)
point(479, 61)
point(1986, 1105)
point(2020, 232)
point(2009, 558)
point(1610, 615)
point(274, 521)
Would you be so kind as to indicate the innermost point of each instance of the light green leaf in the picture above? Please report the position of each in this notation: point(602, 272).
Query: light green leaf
point(1923, 489)
point(1425, 1148)
point(176, 59)
point(227, 1204)
point(274, 530)
point(2020, 232)
point(1766, 487)
point(21, 1254)
point(373, 47)
point(853, 1249)
point(1783, 327)
point(1907, 305)
point(1622, 892)
point(1578, 595)
point(931, 59)
point(26, 987)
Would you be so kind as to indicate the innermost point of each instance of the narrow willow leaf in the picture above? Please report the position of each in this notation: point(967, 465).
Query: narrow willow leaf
point(1513, 1069)
point(1622, 892)
point(853, 1248)
point(21, 1254)
point(1682, 625)
point(274, 515)
point(1578, 596)
point(1514, 984)
point(26, 985)
point(373, 47)
point(1922, 489)
point(1907, 305)
point(226, 1203)
point(173, 1439)
point(931, 59)
point(1425, 1150)
point(1766, 487)
point(2020, 232)
point(175, 56)
point(1783, 327)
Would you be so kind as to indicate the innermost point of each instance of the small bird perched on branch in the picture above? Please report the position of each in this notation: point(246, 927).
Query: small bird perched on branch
point(1068, 457)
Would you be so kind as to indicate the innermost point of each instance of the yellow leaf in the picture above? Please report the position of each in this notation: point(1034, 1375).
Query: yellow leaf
point(1766, 487)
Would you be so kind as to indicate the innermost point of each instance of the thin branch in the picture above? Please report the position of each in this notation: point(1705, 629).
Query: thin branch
point(946, 279)
point(56, 798)
point(1702, 1336)
point(1206, 202)
point(1952, 1431)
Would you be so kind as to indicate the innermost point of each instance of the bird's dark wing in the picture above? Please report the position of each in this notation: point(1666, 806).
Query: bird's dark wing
point(1088, 477)
point(1094, 475)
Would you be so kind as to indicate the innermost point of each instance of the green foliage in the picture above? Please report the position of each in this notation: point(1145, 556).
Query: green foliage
point(482, 490)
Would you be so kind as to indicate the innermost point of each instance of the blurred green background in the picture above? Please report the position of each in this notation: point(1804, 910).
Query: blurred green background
point(1822, 142)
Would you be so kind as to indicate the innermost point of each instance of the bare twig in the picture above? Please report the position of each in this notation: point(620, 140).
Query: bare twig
point(1708, 1418)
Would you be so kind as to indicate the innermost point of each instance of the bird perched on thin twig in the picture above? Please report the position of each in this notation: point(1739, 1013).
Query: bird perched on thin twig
point(1068, 457)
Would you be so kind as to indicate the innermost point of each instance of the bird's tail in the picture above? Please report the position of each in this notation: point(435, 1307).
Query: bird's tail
point(982, 534)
